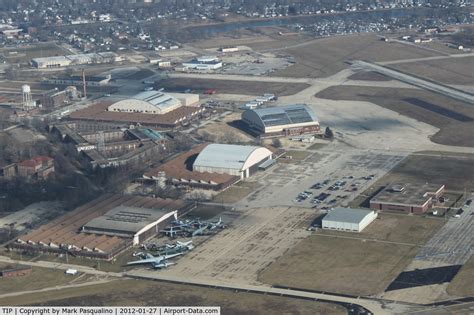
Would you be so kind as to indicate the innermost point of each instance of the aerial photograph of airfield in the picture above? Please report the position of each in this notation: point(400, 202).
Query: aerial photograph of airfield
point(306, 158)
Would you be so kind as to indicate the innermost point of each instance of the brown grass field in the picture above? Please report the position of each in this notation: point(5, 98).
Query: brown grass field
point(447, 71)
point(390, 227)
point(231, 87)
point(462, 284)
point(25, 54)
point(326, 56)
point(451, 171)
point(236, 192)
point(454, 118)
point(340, 265)
point(39, 278)
point(143, 292)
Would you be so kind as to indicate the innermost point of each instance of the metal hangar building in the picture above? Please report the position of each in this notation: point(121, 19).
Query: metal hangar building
point(347, 219)
point(281, 121)
point(236, 160)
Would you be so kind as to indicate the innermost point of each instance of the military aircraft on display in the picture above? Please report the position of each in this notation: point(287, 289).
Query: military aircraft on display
point(179, 247)
point(156, 262)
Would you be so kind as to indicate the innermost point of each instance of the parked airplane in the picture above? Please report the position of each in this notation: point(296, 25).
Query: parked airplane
point(156, 262)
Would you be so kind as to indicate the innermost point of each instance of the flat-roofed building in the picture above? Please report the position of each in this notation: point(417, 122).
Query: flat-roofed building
point(281, 121)
point(147, 102)
point(348, 219)
point(407, 198)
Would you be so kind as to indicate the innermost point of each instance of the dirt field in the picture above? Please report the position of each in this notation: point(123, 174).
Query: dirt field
point(340, 265)
point(297, 155)
point(454, 118)
point(118, 293)
point(236, 192)
point(221, 131)
point(231, 87)
point(327, 56)
point(25, 54)
point(205, 212)
point(462, 284)
point(396, 228)
point(447, 71)
point(40, 278)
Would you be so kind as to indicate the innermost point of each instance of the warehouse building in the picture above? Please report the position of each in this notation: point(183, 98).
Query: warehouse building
point(407, 198)
point(204, 63)
point(136, 223)
point(281, 121)
point(147, 102)
point(235, 160)
point(74, 60)
point(103, 227)
point(347, 219)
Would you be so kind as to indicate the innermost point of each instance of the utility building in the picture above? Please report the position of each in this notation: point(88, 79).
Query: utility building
point(236, 160)
point(281, 121)
point(347, 219)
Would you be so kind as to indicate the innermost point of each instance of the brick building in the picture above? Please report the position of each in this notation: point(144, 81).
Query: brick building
point(407, 198)
point(39, 167)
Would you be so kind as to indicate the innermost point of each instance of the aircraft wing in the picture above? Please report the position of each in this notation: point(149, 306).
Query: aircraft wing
point(146, 261)
point(170, 256)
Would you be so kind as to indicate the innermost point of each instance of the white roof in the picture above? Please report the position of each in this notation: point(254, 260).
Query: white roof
point(230, 156)
point(347, 215)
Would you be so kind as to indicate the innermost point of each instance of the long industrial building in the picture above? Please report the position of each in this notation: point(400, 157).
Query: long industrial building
point(281, 121)
point(72, 60)
point(204, 63)
point(102, 228)
point(407, 198)
point(347, 219)
point(148, 102)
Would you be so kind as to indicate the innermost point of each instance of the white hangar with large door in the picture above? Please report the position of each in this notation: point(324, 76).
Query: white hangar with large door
point(237, 160)
point(347, 219)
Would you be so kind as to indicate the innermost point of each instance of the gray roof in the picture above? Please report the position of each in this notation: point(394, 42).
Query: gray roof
point(228, 156)
point(347, 215)
point(286, 115)
point(126, 219)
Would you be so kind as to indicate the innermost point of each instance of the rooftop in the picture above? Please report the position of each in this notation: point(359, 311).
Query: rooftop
point(181, 168)
point(229, 156)
point(407, 194)
point(348, 215)
point(285, 115)
point(126, 219)
point(98, 112)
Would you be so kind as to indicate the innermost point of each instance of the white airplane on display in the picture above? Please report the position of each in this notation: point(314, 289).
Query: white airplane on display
point(157, 262)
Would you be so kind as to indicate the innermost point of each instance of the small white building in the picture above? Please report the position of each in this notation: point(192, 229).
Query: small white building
point(348, 219)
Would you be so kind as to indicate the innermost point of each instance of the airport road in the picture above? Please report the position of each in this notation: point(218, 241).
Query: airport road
point(428, 85)
point(373, 306)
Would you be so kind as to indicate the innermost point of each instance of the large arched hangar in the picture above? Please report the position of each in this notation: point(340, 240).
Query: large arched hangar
point(237, 160)
point(283, 120)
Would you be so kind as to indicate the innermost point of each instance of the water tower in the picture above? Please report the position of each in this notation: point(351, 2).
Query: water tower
point(27, 100)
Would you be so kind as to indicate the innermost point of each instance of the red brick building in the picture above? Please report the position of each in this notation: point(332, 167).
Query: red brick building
point(39, 167)
point(407, 198)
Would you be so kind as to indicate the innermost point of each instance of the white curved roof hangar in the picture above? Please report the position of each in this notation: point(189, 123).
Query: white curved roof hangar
point(230, 156)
